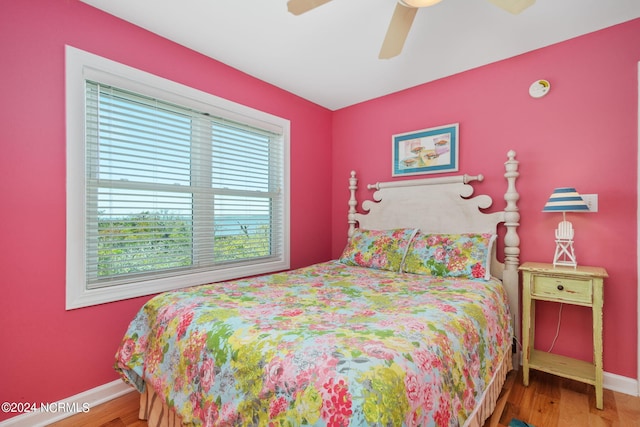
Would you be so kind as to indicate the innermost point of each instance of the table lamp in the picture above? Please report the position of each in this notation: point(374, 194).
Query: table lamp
point(565, 199)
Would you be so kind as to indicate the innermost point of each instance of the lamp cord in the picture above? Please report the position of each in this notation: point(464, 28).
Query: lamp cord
point(557, 329)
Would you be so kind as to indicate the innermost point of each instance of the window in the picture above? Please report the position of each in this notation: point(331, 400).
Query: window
point(167, 186)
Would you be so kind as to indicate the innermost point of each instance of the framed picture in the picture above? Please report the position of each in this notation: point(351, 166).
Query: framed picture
point(433, 150)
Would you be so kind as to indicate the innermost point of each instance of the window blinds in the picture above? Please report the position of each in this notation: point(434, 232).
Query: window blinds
point(171, 190)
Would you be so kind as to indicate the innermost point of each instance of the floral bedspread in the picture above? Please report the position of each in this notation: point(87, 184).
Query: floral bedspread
point(326, 345)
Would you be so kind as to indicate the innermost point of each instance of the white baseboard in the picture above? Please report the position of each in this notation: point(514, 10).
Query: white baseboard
point(91, 398)
point(621, 384)
point(83, 402)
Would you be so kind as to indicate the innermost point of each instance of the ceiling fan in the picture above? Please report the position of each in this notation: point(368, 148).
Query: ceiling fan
point(403, 18)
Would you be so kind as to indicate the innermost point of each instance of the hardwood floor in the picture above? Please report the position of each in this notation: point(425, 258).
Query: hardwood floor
point(549, 401)
point(119, 412)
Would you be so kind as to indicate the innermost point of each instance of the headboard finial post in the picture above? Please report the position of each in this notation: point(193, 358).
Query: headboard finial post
point(512, 216)
point(353, 202)
point(510, 276)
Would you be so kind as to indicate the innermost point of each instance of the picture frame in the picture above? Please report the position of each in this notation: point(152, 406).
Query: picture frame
point(426, 151)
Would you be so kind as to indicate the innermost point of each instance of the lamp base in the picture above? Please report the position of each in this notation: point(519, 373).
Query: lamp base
point(564, 255)
point(565, 264)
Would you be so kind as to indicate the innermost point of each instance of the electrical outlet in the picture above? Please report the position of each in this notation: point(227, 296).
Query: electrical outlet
point(592, 201)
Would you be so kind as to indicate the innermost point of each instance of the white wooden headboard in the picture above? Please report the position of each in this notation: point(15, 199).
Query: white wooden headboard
point(446, 205)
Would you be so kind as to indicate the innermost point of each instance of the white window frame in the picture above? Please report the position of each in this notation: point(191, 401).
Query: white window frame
point(81, 66)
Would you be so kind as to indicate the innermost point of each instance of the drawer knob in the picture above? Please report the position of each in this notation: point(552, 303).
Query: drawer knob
point(560, 287)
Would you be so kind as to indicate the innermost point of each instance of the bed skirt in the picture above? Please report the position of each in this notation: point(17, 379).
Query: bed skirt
point(154, 409)
point(489, 399)
point(158, 414)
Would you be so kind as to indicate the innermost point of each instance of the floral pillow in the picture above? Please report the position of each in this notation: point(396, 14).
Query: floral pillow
point(380, 249)
point(450, 255)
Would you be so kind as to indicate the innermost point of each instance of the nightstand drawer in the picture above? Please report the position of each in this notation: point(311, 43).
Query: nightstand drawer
point(562, 288)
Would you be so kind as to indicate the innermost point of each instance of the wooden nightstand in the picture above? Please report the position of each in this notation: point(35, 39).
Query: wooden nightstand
point(579, 286)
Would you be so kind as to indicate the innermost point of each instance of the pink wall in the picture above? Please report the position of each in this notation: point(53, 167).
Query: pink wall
point(589, 117)
point(47, 353)
point(582, 134)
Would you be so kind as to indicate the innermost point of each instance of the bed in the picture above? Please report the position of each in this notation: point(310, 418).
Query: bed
point(413, 325)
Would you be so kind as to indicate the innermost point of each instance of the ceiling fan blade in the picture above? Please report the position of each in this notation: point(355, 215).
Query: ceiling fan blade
point(398, 30)
point(298, 7)
point(513, 6)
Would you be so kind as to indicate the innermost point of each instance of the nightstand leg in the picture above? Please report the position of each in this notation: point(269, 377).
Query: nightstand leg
point(528, 330)
point(597, 341)
point(599, 397)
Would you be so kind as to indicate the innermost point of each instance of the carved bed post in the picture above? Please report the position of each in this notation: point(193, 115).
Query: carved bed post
point(353, 186)
point(512, 247)
point(512, 216)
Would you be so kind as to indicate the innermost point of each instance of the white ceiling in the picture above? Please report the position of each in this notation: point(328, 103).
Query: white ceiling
point(329, 55)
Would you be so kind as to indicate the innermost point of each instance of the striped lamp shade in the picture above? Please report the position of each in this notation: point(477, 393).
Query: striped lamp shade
point(565, 199)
